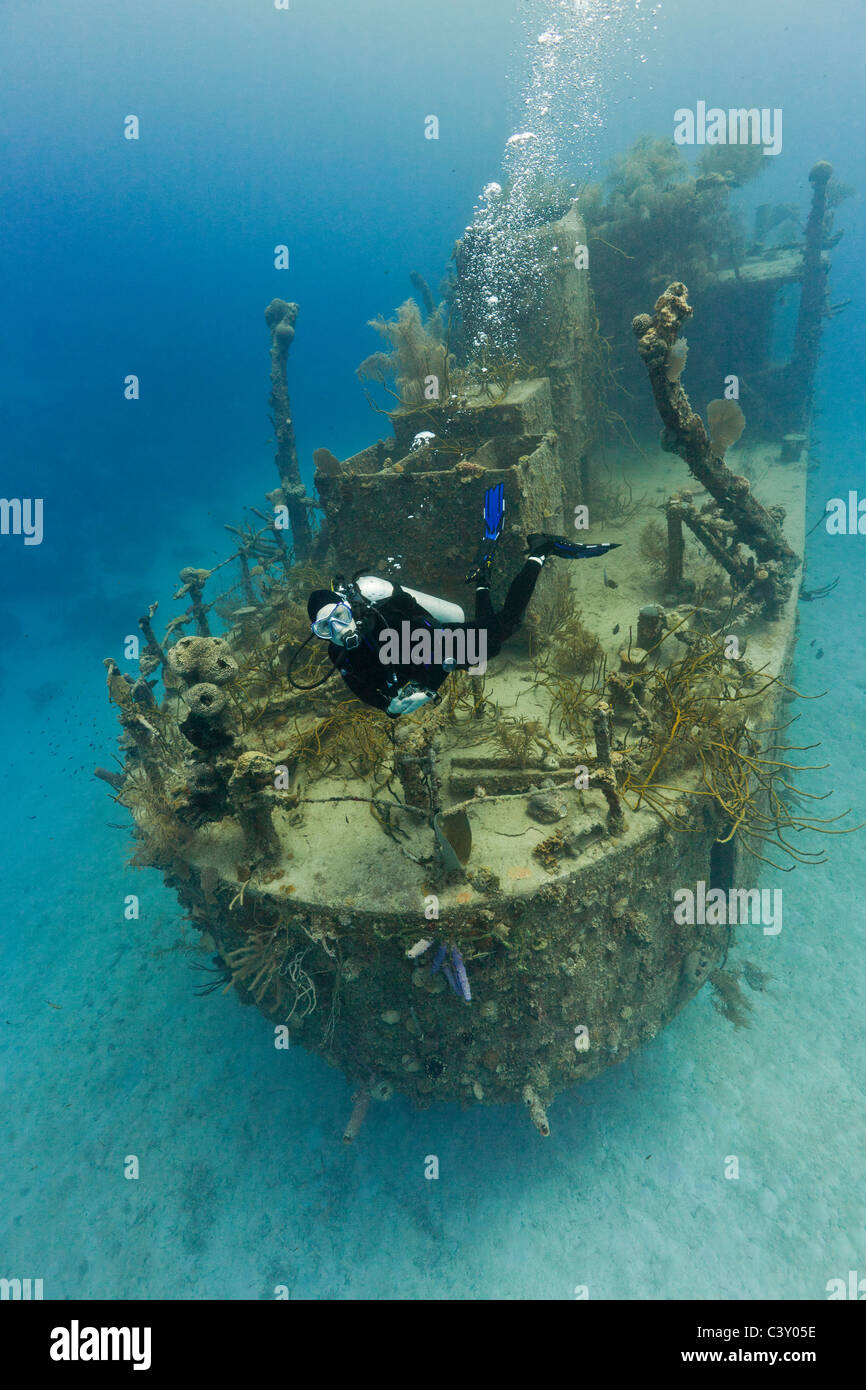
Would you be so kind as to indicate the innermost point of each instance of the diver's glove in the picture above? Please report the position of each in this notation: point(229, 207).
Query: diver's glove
point(409, 698)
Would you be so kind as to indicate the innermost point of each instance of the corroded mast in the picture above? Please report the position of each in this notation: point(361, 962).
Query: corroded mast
point(281, 318)
point(813, 305)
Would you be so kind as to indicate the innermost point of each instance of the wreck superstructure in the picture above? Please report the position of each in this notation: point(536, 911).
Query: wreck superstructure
point(531, 828)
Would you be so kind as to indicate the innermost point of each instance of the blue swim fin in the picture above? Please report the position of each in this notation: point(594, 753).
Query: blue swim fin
point(541, 545)
point(494, 518)
point(494, 512)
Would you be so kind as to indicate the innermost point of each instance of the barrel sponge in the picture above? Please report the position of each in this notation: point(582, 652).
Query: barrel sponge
point(207, 724)
point(727, 422)
point(206, 702)
point(203, 659)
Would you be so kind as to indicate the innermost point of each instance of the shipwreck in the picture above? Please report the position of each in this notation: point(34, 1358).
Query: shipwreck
point(477, 903)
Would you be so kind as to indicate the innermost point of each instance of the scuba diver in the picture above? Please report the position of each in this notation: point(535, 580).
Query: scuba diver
point(395, 646)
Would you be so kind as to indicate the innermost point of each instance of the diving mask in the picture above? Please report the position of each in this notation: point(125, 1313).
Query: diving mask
point(336, 623)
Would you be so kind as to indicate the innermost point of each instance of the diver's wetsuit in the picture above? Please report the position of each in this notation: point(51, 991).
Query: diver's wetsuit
point(502, 625)
point(377, 683)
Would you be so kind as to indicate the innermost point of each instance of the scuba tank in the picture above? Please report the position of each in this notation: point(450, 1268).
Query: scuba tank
point(376, 590)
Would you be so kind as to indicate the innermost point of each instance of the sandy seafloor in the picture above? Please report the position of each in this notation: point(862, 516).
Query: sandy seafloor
point(245, 1185)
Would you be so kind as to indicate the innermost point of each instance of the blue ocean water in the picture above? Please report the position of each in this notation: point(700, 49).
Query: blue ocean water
point(155, 257)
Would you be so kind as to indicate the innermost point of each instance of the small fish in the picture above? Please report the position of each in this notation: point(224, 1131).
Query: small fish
point(616, 630)
point(813, 641)
point(819, 653)
point(609, 583)
point(438, 960)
